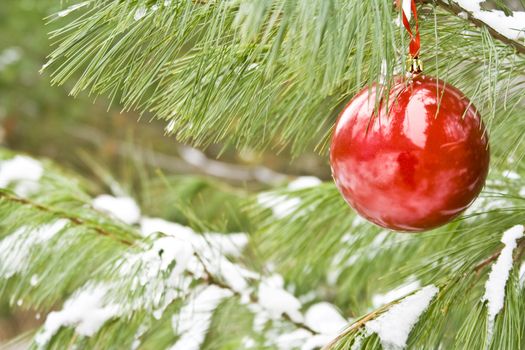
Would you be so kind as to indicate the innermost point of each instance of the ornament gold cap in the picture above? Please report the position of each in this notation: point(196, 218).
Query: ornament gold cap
point(414, 64)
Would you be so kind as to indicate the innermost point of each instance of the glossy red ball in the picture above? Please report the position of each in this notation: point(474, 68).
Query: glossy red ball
point(415, 165)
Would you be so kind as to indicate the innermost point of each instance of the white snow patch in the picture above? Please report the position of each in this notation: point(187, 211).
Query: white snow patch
point(512, 175)
point(164, 268)
point(280, 205)
point(122, 208)
point(194, 319)
point(86, 311)
point(358, 221)
point(497, 280)
point(140, 13)
point(512, 27)
point(16, 248)
point(317, 341)
point(393, 327)
point(284, 205)
point(301, 339)
point(324, 318)
point(292, 340)
point(212, 249)
point(149, 270)
point(23, 172)
point(383, 299)
point(277, 301)
point(248, 343)
point(303, 182)
point(34, 280)
point(72, 8)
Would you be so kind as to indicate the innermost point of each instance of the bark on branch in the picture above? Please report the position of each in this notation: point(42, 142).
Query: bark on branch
point(454, 8)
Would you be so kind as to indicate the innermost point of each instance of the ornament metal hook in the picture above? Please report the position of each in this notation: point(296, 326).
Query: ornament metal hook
point(414, 65)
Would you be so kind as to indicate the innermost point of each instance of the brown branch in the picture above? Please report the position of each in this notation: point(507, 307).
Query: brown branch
point(210, 278)
point(456, 9)
point(520, 248)
point(73, 219)
point(190, 160)
point(487, 261)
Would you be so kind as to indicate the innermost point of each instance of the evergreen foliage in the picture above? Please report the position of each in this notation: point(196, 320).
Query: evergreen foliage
point(264, 74)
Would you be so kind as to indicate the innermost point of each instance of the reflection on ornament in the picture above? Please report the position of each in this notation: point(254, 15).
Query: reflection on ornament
point(416, 164)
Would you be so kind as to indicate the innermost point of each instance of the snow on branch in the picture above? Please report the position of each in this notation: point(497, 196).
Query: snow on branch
point(173, 262)
point(509, 29)
point(495, 285)
point(512, 27)
point(23, 173)
point(394, 325)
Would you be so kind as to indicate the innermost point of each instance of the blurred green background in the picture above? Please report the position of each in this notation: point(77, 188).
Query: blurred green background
point(91, 137)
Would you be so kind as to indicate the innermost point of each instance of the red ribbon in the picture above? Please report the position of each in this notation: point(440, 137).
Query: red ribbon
point(415, 41)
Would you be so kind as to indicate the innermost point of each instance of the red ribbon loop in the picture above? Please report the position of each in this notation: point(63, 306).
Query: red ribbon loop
point(415, 41)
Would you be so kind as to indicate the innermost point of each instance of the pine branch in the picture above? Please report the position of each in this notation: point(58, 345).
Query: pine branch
point(213, 280)
point(265, 74)
point(520, 249)
point(456, 9)
point(7, 196)
point(132, 281)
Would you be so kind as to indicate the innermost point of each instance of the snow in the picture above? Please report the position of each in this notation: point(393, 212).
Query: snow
point(277, 301)
point(194, 319)
point(383, 299)
point(149, 271)
point(463, 15)
point(23, 172)
point(393, 327)
point(166, 268)
point(303, 182)
point(211, 249)
point(512, 175)
point(230, 244)
point(497, 280)
point(280, 205)
point(72, 8)
point(301, 339)
point(123, 208)
point(284, 205)
point(358, 221)
point(512, 27)
point(248, 343)
point(34, 280)
point(16, 248)
point(140, 13)
point(324, 318)
point(292, 340)
point(86, 311)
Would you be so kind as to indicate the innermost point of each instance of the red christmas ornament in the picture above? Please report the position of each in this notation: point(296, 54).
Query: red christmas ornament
point(415, 164)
